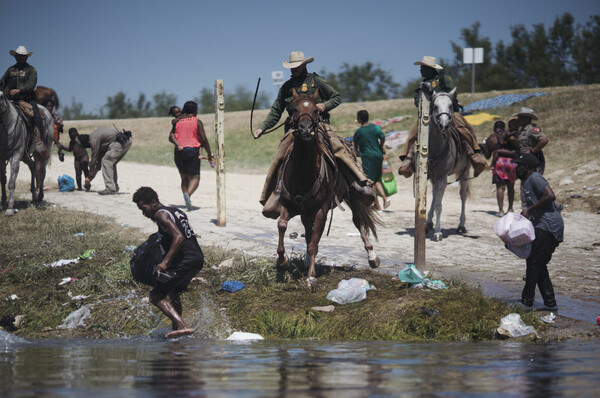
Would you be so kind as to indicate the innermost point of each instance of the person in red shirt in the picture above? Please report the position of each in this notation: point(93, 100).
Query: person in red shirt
point(188, 136)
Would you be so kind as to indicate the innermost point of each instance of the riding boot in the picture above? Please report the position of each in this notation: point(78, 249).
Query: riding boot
point(272, 207)
point(406, 168)
point(364, 191)
point(477, 161)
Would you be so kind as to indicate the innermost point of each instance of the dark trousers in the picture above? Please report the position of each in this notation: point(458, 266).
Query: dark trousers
point(537, 270)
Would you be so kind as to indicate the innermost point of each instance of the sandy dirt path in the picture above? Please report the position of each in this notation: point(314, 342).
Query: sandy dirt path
point(478, 255)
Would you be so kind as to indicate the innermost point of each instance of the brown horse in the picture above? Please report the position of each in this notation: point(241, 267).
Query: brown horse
point(309, 181)
point(43, 94)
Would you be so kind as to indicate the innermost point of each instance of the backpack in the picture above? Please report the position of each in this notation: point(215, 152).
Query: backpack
point(145, 258)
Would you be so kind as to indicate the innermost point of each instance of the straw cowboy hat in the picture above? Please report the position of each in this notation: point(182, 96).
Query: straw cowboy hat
point(296, 59)
point(528, 112)
point(429, 61)
point(21, 50)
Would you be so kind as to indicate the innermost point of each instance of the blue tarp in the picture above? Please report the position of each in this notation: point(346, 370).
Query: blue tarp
point(500, 101)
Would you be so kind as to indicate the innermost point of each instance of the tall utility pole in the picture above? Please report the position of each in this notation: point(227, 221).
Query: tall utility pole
point(220, 141)
point(420, 180)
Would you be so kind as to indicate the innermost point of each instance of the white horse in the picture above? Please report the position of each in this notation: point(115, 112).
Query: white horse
point(446, 157)
point(15, 145)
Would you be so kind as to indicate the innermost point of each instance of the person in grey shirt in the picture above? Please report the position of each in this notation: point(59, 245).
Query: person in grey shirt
point(108, 147)
point(549, 226)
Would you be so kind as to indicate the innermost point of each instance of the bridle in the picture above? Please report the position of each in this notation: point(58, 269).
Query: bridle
point(313, 115)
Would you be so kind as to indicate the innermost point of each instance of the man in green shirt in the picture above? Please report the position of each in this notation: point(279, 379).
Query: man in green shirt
point(440, 80)
point(18, 83)
point(306, 83)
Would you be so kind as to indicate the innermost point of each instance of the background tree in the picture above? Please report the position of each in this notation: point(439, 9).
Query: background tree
point(162, 103)
point(586, 55)
point(366, 82)
point(238, 100)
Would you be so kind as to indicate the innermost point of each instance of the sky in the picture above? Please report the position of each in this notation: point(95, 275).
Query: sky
point(90, 50)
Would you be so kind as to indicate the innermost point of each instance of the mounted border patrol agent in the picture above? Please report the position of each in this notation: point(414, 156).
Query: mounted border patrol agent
point(18, 83)
point(435, 75)
point(307, 83)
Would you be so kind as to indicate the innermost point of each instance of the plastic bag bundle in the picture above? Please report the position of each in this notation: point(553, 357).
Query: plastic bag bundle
point(515, 326)
point(349, 291)
point(514, 229)
point(145, 258)
point(517, 232)
point(520, 251)
point(66, 183)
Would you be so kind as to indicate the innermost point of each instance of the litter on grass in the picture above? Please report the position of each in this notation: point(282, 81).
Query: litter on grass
point(350, 291)
point(412, 275)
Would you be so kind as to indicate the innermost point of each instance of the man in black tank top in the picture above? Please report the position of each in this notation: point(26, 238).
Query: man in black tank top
point(182, 261)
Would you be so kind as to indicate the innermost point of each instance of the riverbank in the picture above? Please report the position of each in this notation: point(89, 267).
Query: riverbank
point(275, 305)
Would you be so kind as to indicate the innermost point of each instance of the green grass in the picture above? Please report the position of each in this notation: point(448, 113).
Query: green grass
point(274, 303)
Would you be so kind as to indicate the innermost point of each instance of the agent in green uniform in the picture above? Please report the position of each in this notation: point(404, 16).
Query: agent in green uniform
point(306, 83)
point(18, 83)
point(440, 80)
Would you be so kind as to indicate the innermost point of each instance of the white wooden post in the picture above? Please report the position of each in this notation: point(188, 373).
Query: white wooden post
point(220, 152)
point(420, 180)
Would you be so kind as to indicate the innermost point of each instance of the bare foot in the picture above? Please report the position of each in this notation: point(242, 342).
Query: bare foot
point(178, 333)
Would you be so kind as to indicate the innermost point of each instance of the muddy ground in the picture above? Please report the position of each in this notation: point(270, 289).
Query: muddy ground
point(478, 255)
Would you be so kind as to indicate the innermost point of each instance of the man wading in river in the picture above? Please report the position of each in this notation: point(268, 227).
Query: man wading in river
point(182, 261)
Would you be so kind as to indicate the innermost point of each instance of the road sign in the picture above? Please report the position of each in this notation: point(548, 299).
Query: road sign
point(277, 76)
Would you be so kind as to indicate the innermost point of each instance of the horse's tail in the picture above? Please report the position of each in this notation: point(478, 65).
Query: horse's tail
point(55, 98)
point(367, 219)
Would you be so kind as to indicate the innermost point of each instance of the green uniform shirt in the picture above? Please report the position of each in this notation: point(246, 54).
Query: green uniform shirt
point(21, 77)
point(529, 137)
point(306, 84)
point(443, 83)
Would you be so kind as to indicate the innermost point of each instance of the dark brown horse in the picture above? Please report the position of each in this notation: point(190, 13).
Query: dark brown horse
point(43, 94)
point(309, 181)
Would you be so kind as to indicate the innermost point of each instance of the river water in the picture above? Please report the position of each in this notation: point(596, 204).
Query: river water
point(188, 367)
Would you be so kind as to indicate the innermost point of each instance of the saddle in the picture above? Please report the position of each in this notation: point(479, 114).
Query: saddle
point(25, 109)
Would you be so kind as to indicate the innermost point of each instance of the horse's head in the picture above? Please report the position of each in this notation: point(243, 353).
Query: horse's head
point(442, 108)
point(305, 118)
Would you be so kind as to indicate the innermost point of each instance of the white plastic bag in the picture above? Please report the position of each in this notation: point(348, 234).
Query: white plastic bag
point(515, 326)
point(520, 251)
point(515, 229)
point(520, 231)
point(349, 291)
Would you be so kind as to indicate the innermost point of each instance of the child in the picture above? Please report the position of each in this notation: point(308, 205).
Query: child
point(77, 145)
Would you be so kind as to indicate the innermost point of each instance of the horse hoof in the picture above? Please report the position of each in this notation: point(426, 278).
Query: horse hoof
point(311, 283)
point(282, 263)
point(374, 263)
point(9, 212)
point(428, 227)
point(461, 230)
point(437, 237)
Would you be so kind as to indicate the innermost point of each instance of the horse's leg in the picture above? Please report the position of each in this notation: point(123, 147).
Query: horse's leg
point(313, 246)
point(41, 176)
point(308, 223)
point(3, 182)
point(15, 161)
point(359, 209)
point(436, 205)
point(282, 223)
point(33, 170)
point(464, 194)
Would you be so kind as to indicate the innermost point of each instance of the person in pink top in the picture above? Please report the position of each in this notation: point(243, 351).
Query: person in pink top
point(188, 136)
